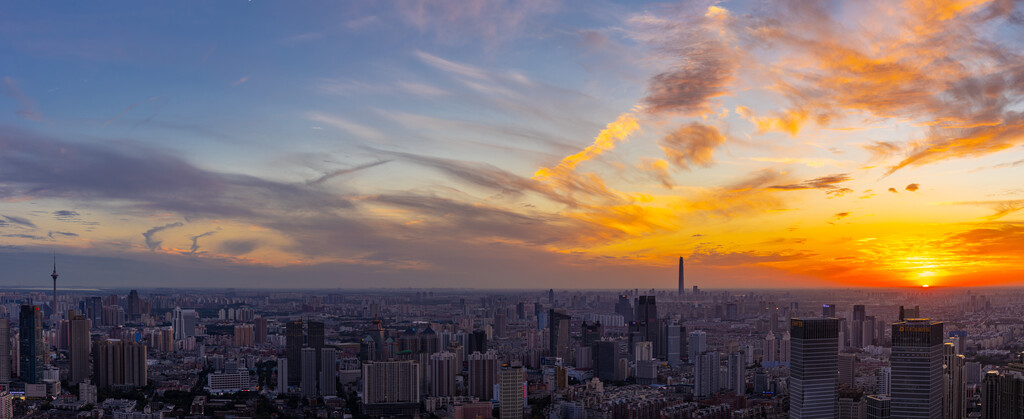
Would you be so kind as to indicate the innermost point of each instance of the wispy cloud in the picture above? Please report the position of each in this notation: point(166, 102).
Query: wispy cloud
point(28, 106)
point(346, 125)
point(240, 81)
point(24, 222)
point(150, 235)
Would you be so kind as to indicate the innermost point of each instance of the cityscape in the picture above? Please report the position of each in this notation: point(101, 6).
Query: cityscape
point(683, 353)
point(512, 209)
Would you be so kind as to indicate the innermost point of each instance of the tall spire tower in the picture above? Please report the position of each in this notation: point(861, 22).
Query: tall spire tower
point(682, 288)
point(54, 276)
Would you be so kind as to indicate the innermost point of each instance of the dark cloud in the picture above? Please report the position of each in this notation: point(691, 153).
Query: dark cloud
point(25, 236)
point(830, 184)
point(25, 222)
point(195, 240)
point(151, 242)
point(152, 180)
point(238, 247)
point(841, 215)
point(62, 233)
point(692, 144)
point(65, 215)
point(913, 187)
point(893, 190)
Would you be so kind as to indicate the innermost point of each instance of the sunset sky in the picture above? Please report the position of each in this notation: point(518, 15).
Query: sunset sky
point(519, 144)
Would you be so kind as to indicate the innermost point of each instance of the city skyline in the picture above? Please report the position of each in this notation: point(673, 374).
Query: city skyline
point(545, 144)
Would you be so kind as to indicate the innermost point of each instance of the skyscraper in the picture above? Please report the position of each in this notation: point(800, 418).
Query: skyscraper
point(79, 344)
point(558, 324)
point(30, 345)
point(814, 350)
point(259, 334)
point(954, 380)
point(315, 340)
point(282, 375)
point(828, 311)
point(857, 326)
point(134, 305)
point(604, 357)
point(624, 309)
point(878, 406)
point(770, 352)
point(293, 351)
point(674, 344)
point(309, 375)
point(512, 391)
point(847, 369)
point(682, 287)
point(647, 322)
point(328, 371)
point(184, 323)
point(5, 350)
point(442, 374)
point(916, 363)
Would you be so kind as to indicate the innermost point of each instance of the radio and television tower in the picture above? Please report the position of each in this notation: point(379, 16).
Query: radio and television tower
point(54, 276)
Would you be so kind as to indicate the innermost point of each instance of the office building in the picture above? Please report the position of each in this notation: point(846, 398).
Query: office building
point(857, 326)
point(828, 311)
point(604, 360)
point(647, 322)
point(814, 367)
point(309, 372)
point(1002, 395)
point(79, 342)
point(6, 405)
point(847, 369)
point(134, 305)
point(294, 341)
point(30, 344)
point(282, 375)
point(513, 393)
point(5, 350)
point(916, 362)
point(674, 344)
point(442, 374)
point(328, 372)
point(877, 406)
point(624, 309)
point(558, 325)
point(884, 380)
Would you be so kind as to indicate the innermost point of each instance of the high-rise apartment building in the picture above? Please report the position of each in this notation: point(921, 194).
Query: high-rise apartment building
point(707, 373)
point(737, 373)
point(483, 374)
point(512, 395)
point(243, 335)
point(954, 383)
point(294, 340)
point(814, 351)
point(696, 345)
point(442, 374)
point(309, 375)
point(391, 387)
point(916, 362)
point(184, 323)
point(119, 364)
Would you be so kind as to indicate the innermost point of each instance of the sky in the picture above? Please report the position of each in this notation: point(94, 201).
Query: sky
point(512, 144)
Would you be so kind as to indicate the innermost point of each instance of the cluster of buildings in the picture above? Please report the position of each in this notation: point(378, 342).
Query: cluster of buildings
point(685, 353)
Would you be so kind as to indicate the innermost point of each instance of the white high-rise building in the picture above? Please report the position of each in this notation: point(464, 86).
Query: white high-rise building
point(184, 323)
point(643, 351)
point(770, 350)
point(884, 379)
